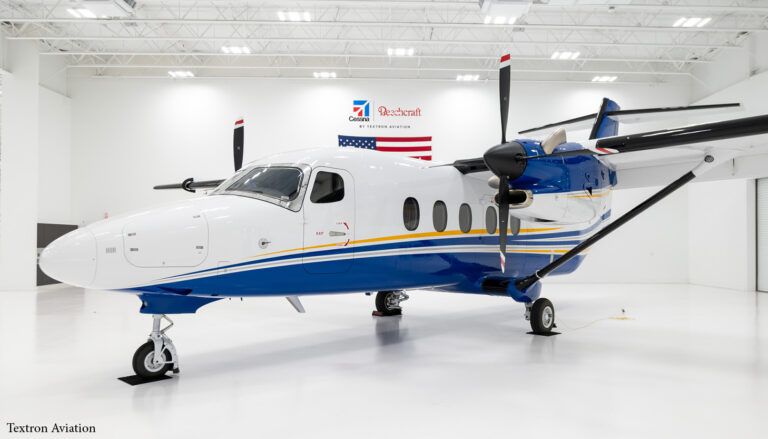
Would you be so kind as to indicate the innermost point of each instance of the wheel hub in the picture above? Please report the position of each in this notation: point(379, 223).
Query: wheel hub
point(547, 315)
point(151, 365)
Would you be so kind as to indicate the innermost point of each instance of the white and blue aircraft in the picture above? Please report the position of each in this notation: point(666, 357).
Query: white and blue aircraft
point(345, 220)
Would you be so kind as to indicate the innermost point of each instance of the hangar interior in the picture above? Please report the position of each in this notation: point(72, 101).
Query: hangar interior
point(662, 327)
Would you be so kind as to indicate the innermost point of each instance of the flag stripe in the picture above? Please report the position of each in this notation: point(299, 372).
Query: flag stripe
point(404, 148)
point(404, 139)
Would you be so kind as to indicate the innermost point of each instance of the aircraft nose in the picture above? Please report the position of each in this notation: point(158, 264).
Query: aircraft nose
point(71, 259)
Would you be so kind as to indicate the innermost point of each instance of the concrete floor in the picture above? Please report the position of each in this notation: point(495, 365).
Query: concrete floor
point(686, 361)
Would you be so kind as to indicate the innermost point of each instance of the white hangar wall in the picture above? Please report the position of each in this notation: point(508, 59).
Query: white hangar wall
point(128, 135)
point(722, 213)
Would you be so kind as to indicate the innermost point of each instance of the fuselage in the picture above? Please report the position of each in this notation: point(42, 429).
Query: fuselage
point(358, 221)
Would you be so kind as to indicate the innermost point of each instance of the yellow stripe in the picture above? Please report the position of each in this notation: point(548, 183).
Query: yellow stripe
point(406, 236)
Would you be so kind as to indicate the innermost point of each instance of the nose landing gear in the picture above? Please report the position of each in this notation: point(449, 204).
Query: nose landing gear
point(158, 355)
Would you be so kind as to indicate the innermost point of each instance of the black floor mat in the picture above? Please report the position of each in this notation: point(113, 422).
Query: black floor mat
point(135, 380)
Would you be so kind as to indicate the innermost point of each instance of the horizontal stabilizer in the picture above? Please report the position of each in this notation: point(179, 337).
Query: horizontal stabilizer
point(634, 116)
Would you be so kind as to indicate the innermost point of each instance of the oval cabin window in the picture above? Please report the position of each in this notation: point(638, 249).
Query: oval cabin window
point(465, 218)
point(440, 216)
point(490, 220)
point(411, 213)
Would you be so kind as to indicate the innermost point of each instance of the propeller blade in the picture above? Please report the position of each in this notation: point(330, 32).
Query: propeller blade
point(503, 200)
point(504, 78)
point(238, 142)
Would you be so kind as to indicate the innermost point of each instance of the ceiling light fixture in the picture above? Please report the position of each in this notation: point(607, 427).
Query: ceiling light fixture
point(604, 78)
point(294, 16)
point(468, 77)
point(566, 55)
point(692, 21)
point(400, 51)
point(178, 74)
point(499, 20)
point(236, 50)
point(81, 13)
point(324, 75)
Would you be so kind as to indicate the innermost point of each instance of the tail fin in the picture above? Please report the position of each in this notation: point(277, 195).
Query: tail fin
point(605, 126)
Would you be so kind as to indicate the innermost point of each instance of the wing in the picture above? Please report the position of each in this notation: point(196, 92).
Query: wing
point(610, 114)
point(656, 157)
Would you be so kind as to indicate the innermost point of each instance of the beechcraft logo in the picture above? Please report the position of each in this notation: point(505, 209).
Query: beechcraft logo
point(361, 111)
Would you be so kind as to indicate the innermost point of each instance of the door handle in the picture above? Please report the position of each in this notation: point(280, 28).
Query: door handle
point(335, 233)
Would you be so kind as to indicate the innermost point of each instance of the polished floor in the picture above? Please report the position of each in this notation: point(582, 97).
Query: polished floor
point(678, 361)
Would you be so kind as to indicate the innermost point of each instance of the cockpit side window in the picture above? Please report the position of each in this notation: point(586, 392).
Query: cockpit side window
point(282, 183)
point(328, 188)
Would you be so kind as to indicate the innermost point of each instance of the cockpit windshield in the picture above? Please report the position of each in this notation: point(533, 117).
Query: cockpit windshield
point(282, 183)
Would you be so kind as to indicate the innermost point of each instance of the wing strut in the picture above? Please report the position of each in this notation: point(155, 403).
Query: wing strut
point(526, 282)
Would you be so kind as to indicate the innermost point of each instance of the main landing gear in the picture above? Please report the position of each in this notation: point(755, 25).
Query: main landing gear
point(158, 355)
point(541, 314)
point(388, 303)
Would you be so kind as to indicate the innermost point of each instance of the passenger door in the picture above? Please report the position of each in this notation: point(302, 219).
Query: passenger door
point(329, 216)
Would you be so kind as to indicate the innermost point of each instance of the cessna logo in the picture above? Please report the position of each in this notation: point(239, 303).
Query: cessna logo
point(361, 111)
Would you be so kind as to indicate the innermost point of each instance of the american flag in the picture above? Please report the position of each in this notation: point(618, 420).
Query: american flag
point(416, 147)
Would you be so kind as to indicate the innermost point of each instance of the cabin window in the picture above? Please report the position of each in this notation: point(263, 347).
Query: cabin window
point(440, 216)
point(465, 218)
point(411, 213)
point(328, 188)
point(273, 182)
point(490, 220)
point(514, 226)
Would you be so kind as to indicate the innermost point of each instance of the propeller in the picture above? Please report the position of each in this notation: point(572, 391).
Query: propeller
point(506, 160)
point(238, 142)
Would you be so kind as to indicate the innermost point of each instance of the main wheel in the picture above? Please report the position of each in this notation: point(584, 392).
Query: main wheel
point(388, 303)
point(143, 364)
point(542, 316)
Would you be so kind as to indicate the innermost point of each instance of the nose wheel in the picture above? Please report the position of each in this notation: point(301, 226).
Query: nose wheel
point(158, 355)
point(541, 314)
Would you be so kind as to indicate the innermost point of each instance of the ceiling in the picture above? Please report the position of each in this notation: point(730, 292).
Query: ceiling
point(633, 41)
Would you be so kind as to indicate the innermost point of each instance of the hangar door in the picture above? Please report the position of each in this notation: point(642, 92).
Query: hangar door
point(762, 234)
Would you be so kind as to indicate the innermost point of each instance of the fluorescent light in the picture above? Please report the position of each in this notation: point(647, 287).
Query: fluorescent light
point(604, 78)
point(81, 13)
point(566, 55)
point(236, 50)
point(468, 77)
point(400, 51)
point(692, 21)
point(294, 16)
point(324, 75)
point(86, 13)
point(181, 74)
point(499, 20)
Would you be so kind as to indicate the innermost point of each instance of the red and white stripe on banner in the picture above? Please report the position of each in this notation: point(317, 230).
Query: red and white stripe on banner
point(416, 147)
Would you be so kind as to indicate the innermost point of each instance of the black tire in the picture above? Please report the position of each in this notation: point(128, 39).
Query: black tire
point(140, 356)
point(542, 316)
point(383, 306)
